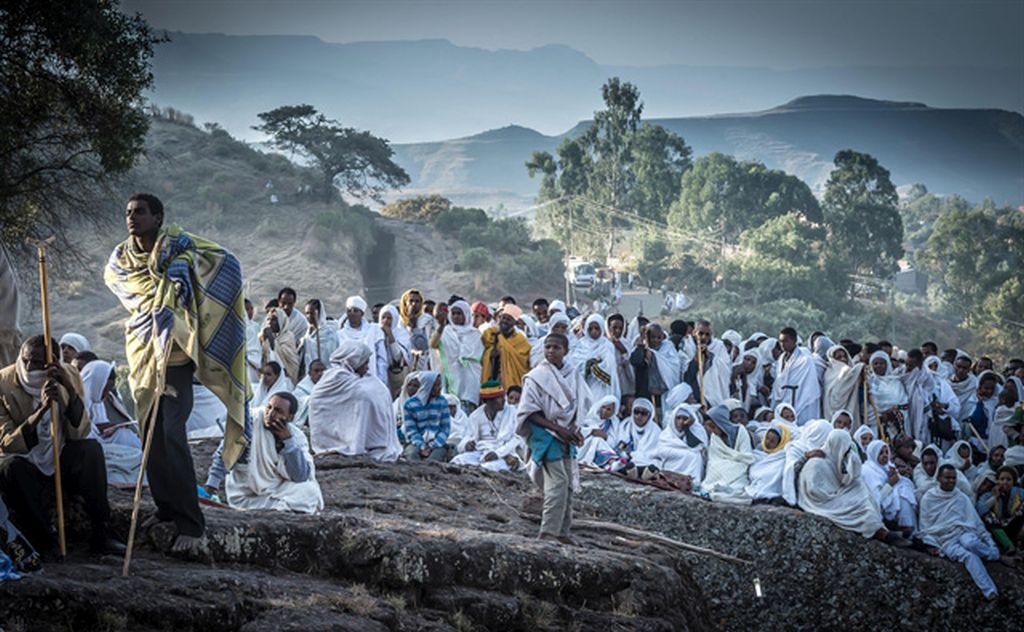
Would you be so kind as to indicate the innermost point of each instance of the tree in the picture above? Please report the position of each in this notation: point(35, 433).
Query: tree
point(786, 258)
point(618, 172)
point(727, 196)
point(72, 76)
point(349, 160)
point(860, 210)
point(975, 258)
point(419, 208)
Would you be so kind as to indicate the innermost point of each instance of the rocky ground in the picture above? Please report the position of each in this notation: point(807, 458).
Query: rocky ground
point(430, 546)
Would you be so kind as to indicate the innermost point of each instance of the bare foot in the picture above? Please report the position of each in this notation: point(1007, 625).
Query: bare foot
point(549, 536)
point(192, 547)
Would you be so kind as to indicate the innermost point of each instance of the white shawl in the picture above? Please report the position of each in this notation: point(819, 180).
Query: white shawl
point(718, 375)
point(349, 413)
point(831, 487)
point(766, 473)
point(945, 516)
point(263, 483)
point(812, 437)
point(841, 382)
point(460, 352)
point(923, 482)
point(726, 478)
point(675, 453)
point(262, 393)
point(644, 440)
point(800, 371)
point(602, 350)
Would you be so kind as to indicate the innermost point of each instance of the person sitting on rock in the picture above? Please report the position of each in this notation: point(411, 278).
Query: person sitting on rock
point(730, 456)
point(27, 390)
point(350, 409)
point(305, 388)
point(950, 525)
point(491, 440)
point(893, 493)
point(830, 486)
point(427, 421)
point(279, 473)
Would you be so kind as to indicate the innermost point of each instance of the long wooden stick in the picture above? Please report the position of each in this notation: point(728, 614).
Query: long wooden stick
point(977, 436)
point(149, 431)
point(54, 425)
point(700, 373)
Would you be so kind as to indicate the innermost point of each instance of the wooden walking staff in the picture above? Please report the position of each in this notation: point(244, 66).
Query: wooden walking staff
point(44, 289)
point(148, 431)
point(700, 373)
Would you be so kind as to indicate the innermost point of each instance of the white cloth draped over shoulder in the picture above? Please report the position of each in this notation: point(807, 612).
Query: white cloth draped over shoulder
point(262, 393)
point(460, 352)
point(811, 437)
point(767, 471)
point(560, 395)
point(831, 487)
point(682, 451)
point(642, 440)
point(302, 391)
point(718, 374)
point(603, 376)
point(264, 482)
point(923, 482)
point(349, 413)
point(729, 460)
point(841, 384)
point(945, 516)
point(318, 343)
point(122, 448)
point(798, 370)
point(592, 444)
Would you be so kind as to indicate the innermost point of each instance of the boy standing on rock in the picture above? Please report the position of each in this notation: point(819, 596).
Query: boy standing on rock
point(554, 400)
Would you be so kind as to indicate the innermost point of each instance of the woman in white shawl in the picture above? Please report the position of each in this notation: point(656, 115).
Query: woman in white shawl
point(682, 443)
point(960, 456)
point(122, 447)
point(410, 385)
point(766, 473)
point(268, 480)
point(831, 487)
point(282, 346)
point(558, 324)
point(769, 350)
point(887, 390)
point(729, 458)
point(350, 413)
point(600, 430)
point(397, 346)
point(964, 385)
point(272, 380)
point(841, 384)
point(459, 428)
point(304, 389)
point(356, 327)
point(812, 437)
point(927, 470)
point(595, 357)
point(893, 493)
point(640, 434)
point(459, 349)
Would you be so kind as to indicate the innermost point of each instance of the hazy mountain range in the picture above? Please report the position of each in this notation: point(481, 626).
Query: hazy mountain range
point(411, 91)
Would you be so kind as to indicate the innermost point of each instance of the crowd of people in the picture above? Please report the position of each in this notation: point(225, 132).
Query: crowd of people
point(916, 448)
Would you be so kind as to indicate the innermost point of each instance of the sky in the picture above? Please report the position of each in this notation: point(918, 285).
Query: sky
point(779, 34)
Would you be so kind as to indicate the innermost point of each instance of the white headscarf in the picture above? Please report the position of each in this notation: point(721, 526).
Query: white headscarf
point(945, 516)
point(78, 342)
point(94, 380)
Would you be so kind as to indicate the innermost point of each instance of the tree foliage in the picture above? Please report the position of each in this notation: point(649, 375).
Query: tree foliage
point(355, 162)
point(72, 76)
point(860, 209)
point(617, 170)
point(419, 208)
point(722, 194)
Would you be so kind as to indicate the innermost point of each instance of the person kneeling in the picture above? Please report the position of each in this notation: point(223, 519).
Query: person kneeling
point(280, 473)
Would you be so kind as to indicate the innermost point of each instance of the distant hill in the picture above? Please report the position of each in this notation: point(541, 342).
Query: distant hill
point(971, 152)
point(412, 91)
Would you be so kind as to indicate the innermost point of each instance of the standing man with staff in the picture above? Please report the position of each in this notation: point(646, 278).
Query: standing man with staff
point(187, 318)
